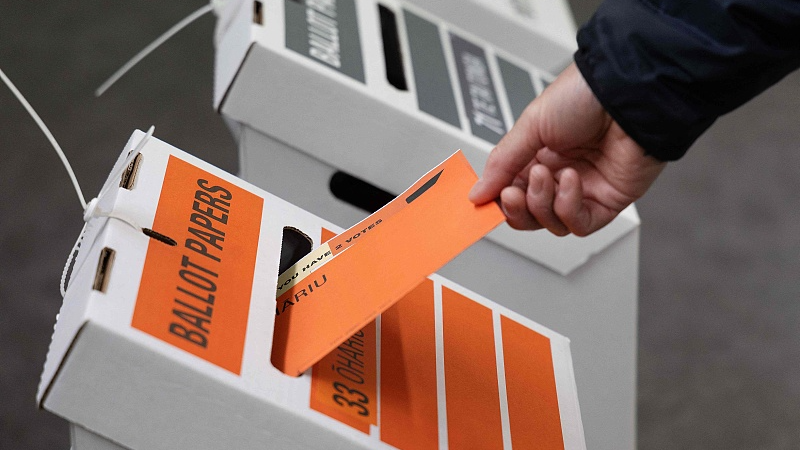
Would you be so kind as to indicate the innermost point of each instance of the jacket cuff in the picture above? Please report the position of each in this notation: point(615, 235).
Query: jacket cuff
point(634, 83)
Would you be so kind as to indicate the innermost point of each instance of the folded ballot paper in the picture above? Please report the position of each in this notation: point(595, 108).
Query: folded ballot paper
point(171, 334)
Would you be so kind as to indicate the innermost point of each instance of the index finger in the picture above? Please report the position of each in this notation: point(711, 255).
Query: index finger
point(514, 151)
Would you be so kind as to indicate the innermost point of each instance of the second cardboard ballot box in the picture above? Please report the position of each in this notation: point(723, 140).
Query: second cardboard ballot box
point(168, 332)
point(339, 105)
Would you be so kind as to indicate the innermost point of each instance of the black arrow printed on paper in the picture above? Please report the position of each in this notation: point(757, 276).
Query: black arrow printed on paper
point(428, 184)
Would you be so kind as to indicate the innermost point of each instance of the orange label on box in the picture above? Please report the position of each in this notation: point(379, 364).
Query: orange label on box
point(473, 399)
point(196, 295)
point(344, 382)
point(354, 287)
point(409, 408)
point(326, 235)
point(533, 412)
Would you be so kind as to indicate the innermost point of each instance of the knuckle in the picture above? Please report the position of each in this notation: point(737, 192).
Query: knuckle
point(581, 232)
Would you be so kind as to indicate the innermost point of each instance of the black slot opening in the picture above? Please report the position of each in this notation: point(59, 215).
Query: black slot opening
point(103, 270)
point(153, 234)
point(294, 246)
point(392, 55)
point(258, 13)
point(358, 192)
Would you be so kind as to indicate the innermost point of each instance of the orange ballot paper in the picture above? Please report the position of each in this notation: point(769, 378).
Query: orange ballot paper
point(337, 290)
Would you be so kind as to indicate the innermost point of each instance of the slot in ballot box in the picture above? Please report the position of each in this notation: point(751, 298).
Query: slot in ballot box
point(169, 328)
point(319, 93)
point(541, 32)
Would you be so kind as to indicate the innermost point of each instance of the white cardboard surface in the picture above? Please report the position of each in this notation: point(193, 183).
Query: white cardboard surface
point(541, 32)
point(83, 439)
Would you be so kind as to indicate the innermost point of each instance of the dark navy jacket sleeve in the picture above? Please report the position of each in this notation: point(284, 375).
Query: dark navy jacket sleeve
point(666, 69)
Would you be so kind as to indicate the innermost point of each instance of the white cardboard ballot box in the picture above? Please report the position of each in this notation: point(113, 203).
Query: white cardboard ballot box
point(165, 335)
point(320, 92)
point(82, 439)
point(541, 32)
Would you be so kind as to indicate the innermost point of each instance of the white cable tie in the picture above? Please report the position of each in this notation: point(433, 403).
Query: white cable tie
point(218, 6)
point(49, 136)
point(153, 45)
point(122, 219)
point(91, 210)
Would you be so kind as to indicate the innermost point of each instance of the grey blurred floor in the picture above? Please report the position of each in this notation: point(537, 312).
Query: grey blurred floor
point(720, 260)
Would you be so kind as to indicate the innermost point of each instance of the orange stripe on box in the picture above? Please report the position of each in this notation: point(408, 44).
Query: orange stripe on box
point(472, 393)
point(196, 295)
point(343, 383)
point(531, 388)
point(327, 235)
point(409, 418)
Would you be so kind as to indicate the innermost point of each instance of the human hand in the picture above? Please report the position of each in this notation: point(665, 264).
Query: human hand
point(565, 165)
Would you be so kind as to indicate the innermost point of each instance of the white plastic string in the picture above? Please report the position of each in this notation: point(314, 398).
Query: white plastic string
point(49, 135)
point(218, 6)
point(46, 131)
point(153, 45)
point(90, 210)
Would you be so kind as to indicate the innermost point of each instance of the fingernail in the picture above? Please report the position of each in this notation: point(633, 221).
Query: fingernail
point(503, 208)
point(565, 189)
point(476, 188)
point(536, 184)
